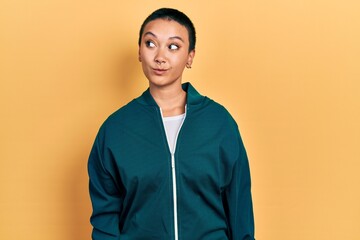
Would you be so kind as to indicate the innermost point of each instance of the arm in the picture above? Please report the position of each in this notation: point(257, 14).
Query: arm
point(105, 197)
point(238, 198)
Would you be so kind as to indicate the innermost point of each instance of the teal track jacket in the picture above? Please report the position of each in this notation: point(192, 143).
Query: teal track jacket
point(132, 182)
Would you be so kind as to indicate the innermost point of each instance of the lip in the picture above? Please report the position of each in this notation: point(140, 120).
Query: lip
point(159, 71)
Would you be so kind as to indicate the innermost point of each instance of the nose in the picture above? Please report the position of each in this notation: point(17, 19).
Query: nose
point(160, 57)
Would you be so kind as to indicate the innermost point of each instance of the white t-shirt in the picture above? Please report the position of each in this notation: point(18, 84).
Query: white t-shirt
point(172, 126)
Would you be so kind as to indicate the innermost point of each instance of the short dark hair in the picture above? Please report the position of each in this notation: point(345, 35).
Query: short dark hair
point(172, 14)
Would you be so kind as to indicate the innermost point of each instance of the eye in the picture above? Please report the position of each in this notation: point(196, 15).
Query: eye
point(173, 47)
point(150, 44)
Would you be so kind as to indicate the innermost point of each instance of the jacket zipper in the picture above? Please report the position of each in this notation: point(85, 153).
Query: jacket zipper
point(173, 173)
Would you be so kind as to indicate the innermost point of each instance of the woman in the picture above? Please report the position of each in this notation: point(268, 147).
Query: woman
point(170, 164)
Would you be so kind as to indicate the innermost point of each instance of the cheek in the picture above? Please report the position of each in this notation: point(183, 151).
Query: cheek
point(146, 56)
point(180, 60)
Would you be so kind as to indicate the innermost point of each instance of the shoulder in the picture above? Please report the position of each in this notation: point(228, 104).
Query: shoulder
point(222, 115)
point(124, 113)
point(116, 121)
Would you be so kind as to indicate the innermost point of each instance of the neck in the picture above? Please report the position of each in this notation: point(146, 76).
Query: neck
point(171, 100)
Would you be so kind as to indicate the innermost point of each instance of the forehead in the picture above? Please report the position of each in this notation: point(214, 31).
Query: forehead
point(166, 28)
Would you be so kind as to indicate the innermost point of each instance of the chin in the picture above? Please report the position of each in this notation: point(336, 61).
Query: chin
point(163, 82)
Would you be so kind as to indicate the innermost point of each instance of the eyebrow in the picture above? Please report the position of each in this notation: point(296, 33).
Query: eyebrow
point(174, 37)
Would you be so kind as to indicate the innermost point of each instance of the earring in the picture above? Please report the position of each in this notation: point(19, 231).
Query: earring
point(188, 66)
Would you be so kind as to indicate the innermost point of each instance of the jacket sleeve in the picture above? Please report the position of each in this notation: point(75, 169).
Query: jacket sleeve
point(238, 198)
point(105, 196)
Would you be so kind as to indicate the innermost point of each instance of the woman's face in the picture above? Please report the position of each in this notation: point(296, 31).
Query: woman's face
point(164, 52)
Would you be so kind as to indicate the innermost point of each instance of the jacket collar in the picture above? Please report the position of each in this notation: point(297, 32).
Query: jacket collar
point(193, 97)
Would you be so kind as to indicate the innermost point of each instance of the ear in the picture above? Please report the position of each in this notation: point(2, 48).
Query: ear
point(190, 58)
point(139, 55)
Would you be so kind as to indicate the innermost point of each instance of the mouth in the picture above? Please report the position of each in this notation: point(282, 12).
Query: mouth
point(159, 71)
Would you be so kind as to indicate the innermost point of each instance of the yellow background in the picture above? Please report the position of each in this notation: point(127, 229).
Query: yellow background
point(288, 71)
